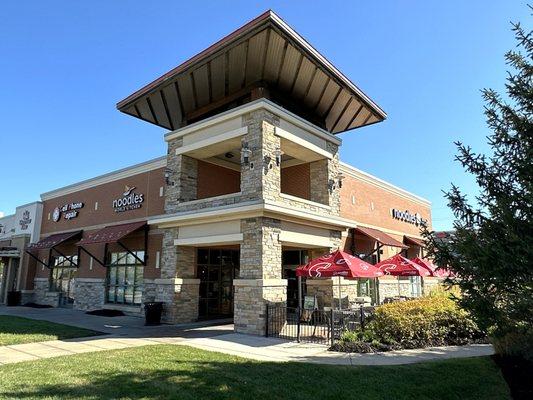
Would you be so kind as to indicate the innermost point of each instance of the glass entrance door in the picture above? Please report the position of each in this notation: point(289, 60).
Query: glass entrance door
point(291, 259)
point(216, 270)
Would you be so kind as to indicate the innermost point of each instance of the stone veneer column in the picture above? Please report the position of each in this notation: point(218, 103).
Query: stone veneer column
point(321, 173)
point(178, 288)
point(260, 280)
point(183, 172)
point(261, 179)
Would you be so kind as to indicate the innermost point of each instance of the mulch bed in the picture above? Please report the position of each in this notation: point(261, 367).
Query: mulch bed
point(518, 374)
point(106, 313)
point(35, 305)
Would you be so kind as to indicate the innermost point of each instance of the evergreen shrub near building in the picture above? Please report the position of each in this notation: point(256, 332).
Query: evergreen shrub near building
point(434, 320)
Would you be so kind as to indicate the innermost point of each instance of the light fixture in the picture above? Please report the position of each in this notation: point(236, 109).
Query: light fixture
point(331, 185)
point(340, 177)
point(168, 172)
point(267, 163)
point(277, 154)
point(246, 153)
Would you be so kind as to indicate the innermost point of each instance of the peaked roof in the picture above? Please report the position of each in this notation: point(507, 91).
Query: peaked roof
point(264, 53)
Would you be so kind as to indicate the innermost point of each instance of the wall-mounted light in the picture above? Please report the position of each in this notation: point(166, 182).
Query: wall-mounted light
point(246, 153)
point(168, 173)
point(277, 154)
point(340, 177)
point(331, 185)
point(267, 163)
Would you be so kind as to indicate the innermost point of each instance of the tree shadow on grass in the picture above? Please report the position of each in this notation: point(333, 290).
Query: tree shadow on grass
point(187, 376)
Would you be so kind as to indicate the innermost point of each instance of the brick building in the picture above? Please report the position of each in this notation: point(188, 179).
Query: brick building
point(251, 187)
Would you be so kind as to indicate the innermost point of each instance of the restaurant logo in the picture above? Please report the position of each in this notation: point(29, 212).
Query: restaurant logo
point(129, 200)
point(25, 221)
point(68, 211)
point(408, 217)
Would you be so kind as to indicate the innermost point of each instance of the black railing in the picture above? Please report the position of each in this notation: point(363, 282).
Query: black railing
point(312, 326)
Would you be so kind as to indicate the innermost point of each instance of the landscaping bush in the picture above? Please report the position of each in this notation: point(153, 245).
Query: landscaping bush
point(515, 344)
point(428, 321)
point(434, 320)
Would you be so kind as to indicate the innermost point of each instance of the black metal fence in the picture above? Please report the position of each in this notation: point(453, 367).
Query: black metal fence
point(312, 326)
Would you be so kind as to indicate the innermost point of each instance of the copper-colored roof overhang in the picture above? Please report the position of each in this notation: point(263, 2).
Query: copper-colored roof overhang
point(380, 237)
point(112, 234)
point(408, 240)
point(265, 52)
point(54, 240)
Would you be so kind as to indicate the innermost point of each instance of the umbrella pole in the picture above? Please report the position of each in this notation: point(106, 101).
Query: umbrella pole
point(339, 292)
point(299, 291)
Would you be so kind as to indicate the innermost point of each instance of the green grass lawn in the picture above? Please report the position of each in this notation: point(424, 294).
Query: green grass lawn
point(181, 372)
point(16, 330)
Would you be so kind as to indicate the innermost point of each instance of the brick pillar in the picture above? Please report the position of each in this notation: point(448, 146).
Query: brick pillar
point(260, 279)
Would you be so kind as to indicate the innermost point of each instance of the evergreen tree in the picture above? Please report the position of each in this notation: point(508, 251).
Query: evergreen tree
point(491, 248)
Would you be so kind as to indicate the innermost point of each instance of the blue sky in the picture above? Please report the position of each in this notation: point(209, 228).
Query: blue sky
point(65, 64)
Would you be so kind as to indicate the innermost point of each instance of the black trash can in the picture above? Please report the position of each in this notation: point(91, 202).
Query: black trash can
point(152, 312)
point(13, 298)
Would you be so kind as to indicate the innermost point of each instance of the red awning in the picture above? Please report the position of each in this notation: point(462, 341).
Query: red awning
point(338, 263)
point(112, 234)
point(54, 240)
point(381, 237)
point(400, 266)
point(413, 241)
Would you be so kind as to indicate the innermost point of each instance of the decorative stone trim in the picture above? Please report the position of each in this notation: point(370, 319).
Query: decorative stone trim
point(305, 201)
point(221, 197)
point(260, 282)
point(90, 280)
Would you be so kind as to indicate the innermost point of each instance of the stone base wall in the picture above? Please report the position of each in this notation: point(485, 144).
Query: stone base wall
point(42, 295)
point(150, 290)
point(430, 284)
point(26, 296)
point(389, 288)
point(251, 298)
point(89, 294)
point(180, 297)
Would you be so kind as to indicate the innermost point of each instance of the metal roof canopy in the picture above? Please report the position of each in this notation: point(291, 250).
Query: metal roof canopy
point(114, 234)
point(266, 53)
point(380, 237)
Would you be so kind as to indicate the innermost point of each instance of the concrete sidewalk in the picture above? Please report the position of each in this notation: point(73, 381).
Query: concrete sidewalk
point(124, 332)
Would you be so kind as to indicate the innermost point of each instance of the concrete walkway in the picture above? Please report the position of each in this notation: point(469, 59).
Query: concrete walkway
point(124, 332)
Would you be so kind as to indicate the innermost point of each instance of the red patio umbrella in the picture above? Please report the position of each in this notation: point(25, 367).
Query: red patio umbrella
point(338, 264)
point(398, 265)
point(435, 271)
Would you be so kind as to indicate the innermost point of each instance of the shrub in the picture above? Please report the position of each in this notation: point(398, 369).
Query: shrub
point(428, 321)
point(515, 344)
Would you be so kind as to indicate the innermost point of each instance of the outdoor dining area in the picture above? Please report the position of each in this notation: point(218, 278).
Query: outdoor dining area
point(316, 321)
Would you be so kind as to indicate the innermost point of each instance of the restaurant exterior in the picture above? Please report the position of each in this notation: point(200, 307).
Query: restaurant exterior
point(251, 188)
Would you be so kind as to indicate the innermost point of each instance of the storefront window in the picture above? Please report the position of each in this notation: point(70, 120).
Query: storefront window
point(61, 277)
point(125, 281)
